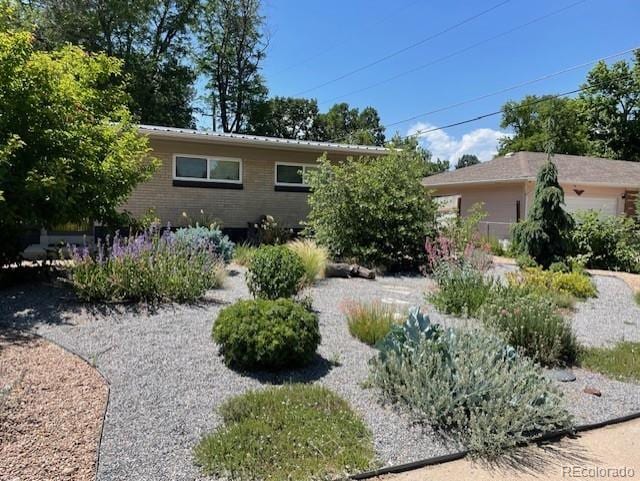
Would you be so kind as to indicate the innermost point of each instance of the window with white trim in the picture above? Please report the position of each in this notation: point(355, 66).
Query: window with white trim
point(208, 169)
point(292, 174)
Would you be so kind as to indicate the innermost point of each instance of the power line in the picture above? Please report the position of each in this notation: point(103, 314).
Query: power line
point(513, 87)
point(404, 49)
point(453, 54)
point(497, 112)
point(506, 89)
point(337, 43)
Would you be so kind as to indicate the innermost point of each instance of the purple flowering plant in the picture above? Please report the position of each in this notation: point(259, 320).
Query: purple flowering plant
point(151, 265)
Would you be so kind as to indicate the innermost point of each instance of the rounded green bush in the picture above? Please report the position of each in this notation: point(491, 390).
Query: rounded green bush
point(274, 272)
point(266, 334)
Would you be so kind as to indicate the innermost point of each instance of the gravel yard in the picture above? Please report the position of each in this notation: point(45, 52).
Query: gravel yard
point(611, 317)
point(167, 379)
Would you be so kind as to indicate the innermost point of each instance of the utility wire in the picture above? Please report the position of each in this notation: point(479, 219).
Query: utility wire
point(404, 49)
point(513, 87)
point(453, 54)
point(506, 89)
point(333, 45)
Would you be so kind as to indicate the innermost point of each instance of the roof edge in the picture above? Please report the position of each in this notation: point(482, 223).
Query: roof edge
point(257, 141)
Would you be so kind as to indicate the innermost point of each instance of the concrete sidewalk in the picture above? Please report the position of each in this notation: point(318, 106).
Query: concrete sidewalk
point(608, 453)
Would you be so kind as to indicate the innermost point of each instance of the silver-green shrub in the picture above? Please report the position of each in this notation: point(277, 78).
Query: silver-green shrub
point(469, 383)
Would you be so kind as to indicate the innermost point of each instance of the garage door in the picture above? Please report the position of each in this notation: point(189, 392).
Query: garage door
point(604, 205)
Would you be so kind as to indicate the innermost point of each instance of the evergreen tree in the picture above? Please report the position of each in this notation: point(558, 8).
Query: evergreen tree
point(544, 235)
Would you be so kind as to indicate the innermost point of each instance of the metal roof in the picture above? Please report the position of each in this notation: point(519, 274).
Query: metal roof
point(258, 141)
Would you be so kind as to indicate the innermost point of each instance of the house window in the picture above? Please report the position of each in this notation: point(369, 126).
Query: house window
point(292, 174)
point(208, 169)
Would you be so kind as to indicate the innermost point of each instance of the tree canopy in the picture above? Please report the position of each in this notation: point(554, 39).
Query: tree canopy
point(151, 37)
point(411, 145)
point(69, 150)
point(232, 46)
point(611, 109)
point(466, 160)
point(604, 120)
point(528, 118)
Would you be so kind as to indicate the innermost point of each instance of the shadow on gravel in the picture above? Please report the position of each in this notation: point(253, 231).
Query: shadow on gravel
point(28, 305)
point(317, 369)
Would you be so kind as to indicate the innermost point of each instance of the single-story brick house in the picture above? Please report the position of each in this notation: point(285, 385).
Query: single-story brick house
point(235, 178)
point(505, 185)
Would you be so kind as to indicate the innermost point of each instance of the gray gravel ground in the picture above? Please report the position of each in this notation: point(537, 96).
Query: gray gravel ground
point(611, 317)
point(167, 379)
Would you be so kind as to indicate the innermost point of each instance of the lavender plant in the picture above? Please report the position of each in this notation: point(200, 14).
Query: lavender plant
point(149, 266)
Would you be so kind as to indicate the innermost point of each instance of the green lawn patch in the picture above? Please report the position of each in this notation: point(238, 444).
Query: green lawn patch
point(621, 361)
point(298, 431)
point(638, 297)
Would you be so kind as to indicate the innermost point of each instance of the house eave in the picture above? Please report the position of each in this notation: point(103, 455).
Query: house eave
point(258, 142)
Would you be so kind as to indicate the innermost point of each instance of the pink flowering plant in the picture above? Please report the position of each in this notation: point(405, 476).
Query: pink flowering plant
point(148, 266)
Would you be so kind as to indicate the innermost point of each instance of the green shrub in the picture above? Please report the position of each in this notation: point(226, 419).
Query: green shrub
point(469, 383)
point(523, 261)
point(207, 238)
point(369, 322)
point(495, 246)
point(372, 210)
point(266, 334)
point(529, 321)
point(462, 289)
point(621, 361)
point(296, 432)
point(243, 253)
point(611, 242)
point(544, 235)
point(574, 283)
point(275, 272)
point(145, 267)
point(314, 258)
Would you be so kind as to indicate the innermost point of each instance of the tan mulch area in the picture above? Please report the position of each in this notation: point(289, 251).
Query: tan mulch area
point(51, 409)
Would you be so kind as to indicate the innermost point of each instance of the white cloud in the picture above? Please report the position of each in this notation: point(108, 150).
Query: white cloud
point(481, 142)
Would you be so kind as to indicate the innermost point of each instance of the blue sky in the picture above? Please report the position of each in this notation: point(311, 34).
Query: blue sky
point(313, 41)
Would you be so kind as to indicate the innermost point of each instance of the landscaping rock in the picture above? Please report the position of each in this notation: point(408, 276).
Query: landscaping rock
point(593, 391)
point(563, 375)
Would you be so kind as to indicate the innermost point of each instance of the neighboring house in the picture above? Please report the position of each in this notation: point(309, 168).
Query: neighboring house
point(235, 178)
point(505, 185)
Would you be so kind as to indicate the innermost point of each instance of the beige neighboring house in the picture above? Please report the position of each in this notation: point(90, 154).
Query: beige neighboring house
point(505, 185)
point(235, 178)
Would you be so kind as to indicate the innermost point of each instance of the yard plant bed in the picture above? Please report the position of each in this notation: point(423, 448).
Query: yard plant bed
point(168, 380)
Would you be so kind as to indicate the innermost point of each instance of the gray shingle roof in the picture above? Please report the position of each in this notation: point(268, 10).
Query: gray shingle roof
point(258, 141)
point(521, 166)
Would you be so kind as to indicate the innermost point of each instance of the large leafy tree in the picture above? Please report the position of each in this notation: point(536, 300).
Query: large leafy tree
point(151, 37)
point(286, 117)
point(342, 123)
point(233, 43)
point(466, 160)
point(611, 109)
point(528, 118)
point(544, 234)
point(69, 150)
point(411, 145)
